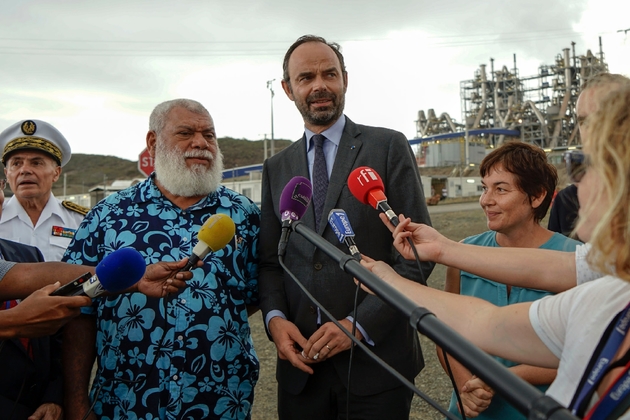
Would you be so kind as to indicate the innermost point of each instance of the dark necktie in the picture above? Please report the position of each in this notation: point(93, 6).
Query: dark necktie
point(320, 178)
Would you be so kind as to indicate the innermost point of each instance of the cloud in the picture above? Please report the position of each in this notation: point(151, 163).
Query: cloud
point(98, 68)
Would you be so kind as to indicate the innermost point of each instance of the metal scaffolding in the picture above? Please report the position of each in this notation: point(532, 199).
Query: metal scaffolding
point(540, 107)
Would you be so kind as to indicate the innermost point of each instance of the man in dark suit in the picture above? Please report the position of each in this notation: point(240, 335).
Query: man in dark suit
point(313, 353)
point(31, 368)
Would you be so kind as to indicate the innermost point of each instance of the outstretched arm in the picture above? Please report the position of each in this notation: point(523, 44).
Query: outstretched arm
point(25, 278)
point(40, 314)
point(523, 267)
point(501, 331)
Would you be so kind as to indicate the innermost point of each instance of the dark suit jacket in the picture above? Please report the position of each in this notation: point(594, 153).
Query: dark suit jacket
point(38, 380)
point(388, 152)
point(564, 211)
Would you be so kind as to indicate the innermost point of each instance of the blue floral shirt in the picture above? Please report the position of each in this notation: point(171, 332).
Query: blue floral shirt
point(190, 355)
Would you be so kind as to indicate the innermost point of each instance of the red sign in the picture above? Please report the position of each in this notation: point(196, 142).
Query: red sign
point(145, 163)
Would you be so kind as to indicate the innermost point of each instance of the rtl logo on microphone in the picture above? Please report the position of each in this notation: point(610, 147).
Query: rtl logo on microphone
point(366, 176)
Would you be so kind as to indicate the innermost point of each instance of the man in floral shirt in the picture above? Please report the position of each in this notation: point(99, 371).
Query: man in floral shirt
point(188, 355)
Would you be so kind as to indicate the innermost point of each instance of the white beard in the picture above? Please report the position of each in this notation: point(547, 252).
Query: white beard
point(179, 179)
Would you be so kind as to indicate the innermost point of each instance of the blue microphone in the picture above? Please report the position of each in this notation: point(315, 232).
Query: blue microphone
point(118, 271)
point(338, 221)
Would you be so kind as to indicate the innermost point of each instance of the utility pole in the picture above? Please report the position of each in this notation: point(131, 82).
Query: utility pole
point(270, 87)
point(265, 147)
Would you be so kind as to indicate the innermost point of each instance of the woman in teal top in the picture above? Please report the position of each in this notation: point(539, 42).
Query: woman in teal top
point(518, 185)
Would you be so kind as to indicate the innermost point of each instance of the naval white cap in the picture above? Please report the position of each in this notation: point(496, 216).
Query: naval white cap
point(35, 135)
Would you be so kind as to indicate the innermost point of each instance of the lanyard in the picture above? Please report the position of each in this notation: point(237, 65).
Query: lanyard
point(601, 359)
point(613, 396)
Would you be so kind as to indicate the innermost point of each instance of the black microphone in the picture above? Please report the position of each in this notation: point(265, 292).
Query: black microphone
point(516, 391)
point(294, 201)
point(338, 221)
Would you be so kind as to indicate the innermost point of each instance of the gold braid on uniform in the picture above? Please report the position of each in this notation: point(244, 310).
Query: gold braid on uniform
point(32, 142)
point(75, 207)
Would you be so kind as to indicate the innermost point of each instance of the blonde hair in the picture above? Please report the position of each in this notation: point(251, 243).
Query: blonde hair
point(605, 79)
point(609, 147)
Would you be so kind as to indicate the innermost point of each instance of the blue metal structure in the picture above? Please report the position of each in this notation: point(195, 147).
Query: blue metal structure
point(471, 133)
point(241, 171)
point(245, 170)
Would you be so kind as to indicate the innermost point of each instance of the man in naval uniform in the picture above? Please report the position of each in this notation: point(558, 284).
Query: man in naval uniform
point(33, 153)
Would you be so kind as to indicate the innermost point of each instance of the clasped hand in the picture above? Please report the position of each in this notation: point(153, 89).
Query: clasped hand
point(326, 342)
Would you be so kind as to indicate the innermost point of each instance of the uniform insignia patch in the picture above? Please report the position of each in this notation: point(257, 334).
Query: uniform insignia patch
point(64, 232)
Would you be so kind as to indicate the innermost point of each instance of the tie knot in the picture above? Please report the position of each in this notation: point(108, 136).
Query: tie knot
point(318, 140)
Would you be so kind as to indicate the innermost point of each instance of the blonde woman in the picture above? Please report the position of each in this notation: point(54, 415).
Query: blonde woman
point(580, 332)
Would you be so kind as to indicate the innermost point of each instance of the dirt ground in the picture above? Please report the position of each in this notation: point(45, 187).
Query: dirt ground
point(432, 380)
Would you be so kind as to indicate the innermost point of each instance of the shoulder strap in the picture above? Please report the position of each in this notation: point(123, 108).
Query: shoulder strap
point(75, 207)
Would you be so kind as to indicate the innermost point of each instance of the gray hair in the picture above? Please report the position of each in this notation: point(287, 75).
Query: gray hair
point(157, 120)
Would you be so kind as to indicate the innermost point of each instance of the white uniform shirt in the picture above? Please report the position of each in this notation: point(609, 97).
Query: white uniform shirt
point(53, 232)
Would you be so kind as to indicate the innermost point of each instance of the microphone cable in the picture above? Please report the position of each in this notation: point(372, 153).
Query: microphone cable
point(354, 331)
point(452, 378)
point(362, 346)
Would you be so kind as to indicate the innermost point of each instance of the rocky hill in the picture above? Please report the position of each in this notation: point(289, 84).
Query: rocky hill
point(86, 171)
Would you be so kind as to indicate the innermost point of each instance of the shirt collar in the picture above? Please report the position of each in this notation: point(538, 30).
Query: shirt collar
point(12, 208)
point(333, 133)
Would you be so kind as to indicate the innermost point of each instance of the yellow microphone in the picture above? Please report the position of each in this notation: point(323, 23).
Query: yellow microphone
point(215, 234)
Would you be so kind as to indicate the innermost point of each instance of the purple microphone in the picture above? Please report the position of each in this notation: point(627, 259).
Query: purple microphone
point(294, 201)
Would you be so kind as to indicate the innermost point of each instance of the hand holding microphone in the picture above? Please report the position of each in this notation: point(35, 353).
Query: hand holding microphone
point(427, 242)
point(367, 187)
point(40, 314)
point(215, 234)
point(117, 272)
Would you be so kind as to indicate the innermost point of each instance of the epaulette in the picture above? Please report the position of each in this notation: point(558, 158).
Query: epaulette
point(75, 207)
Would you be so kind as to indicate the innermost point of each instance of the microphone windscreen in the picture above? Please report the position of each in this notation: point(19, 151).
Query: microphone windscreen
point(295, 198)
point(217, 231)
point(362, 181)
point(120, 270)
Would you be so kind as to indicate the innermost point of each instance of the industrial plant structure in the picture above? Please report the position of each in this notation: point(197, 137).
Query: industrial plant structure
point(500, 105)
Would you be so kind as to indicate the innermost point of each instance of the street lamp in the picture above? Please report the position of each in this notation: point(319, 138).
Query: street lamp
point(270, 87)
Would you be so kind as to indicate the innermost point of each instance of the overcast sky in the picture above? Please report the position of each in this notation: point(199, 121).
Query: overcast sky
point(96, 69)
